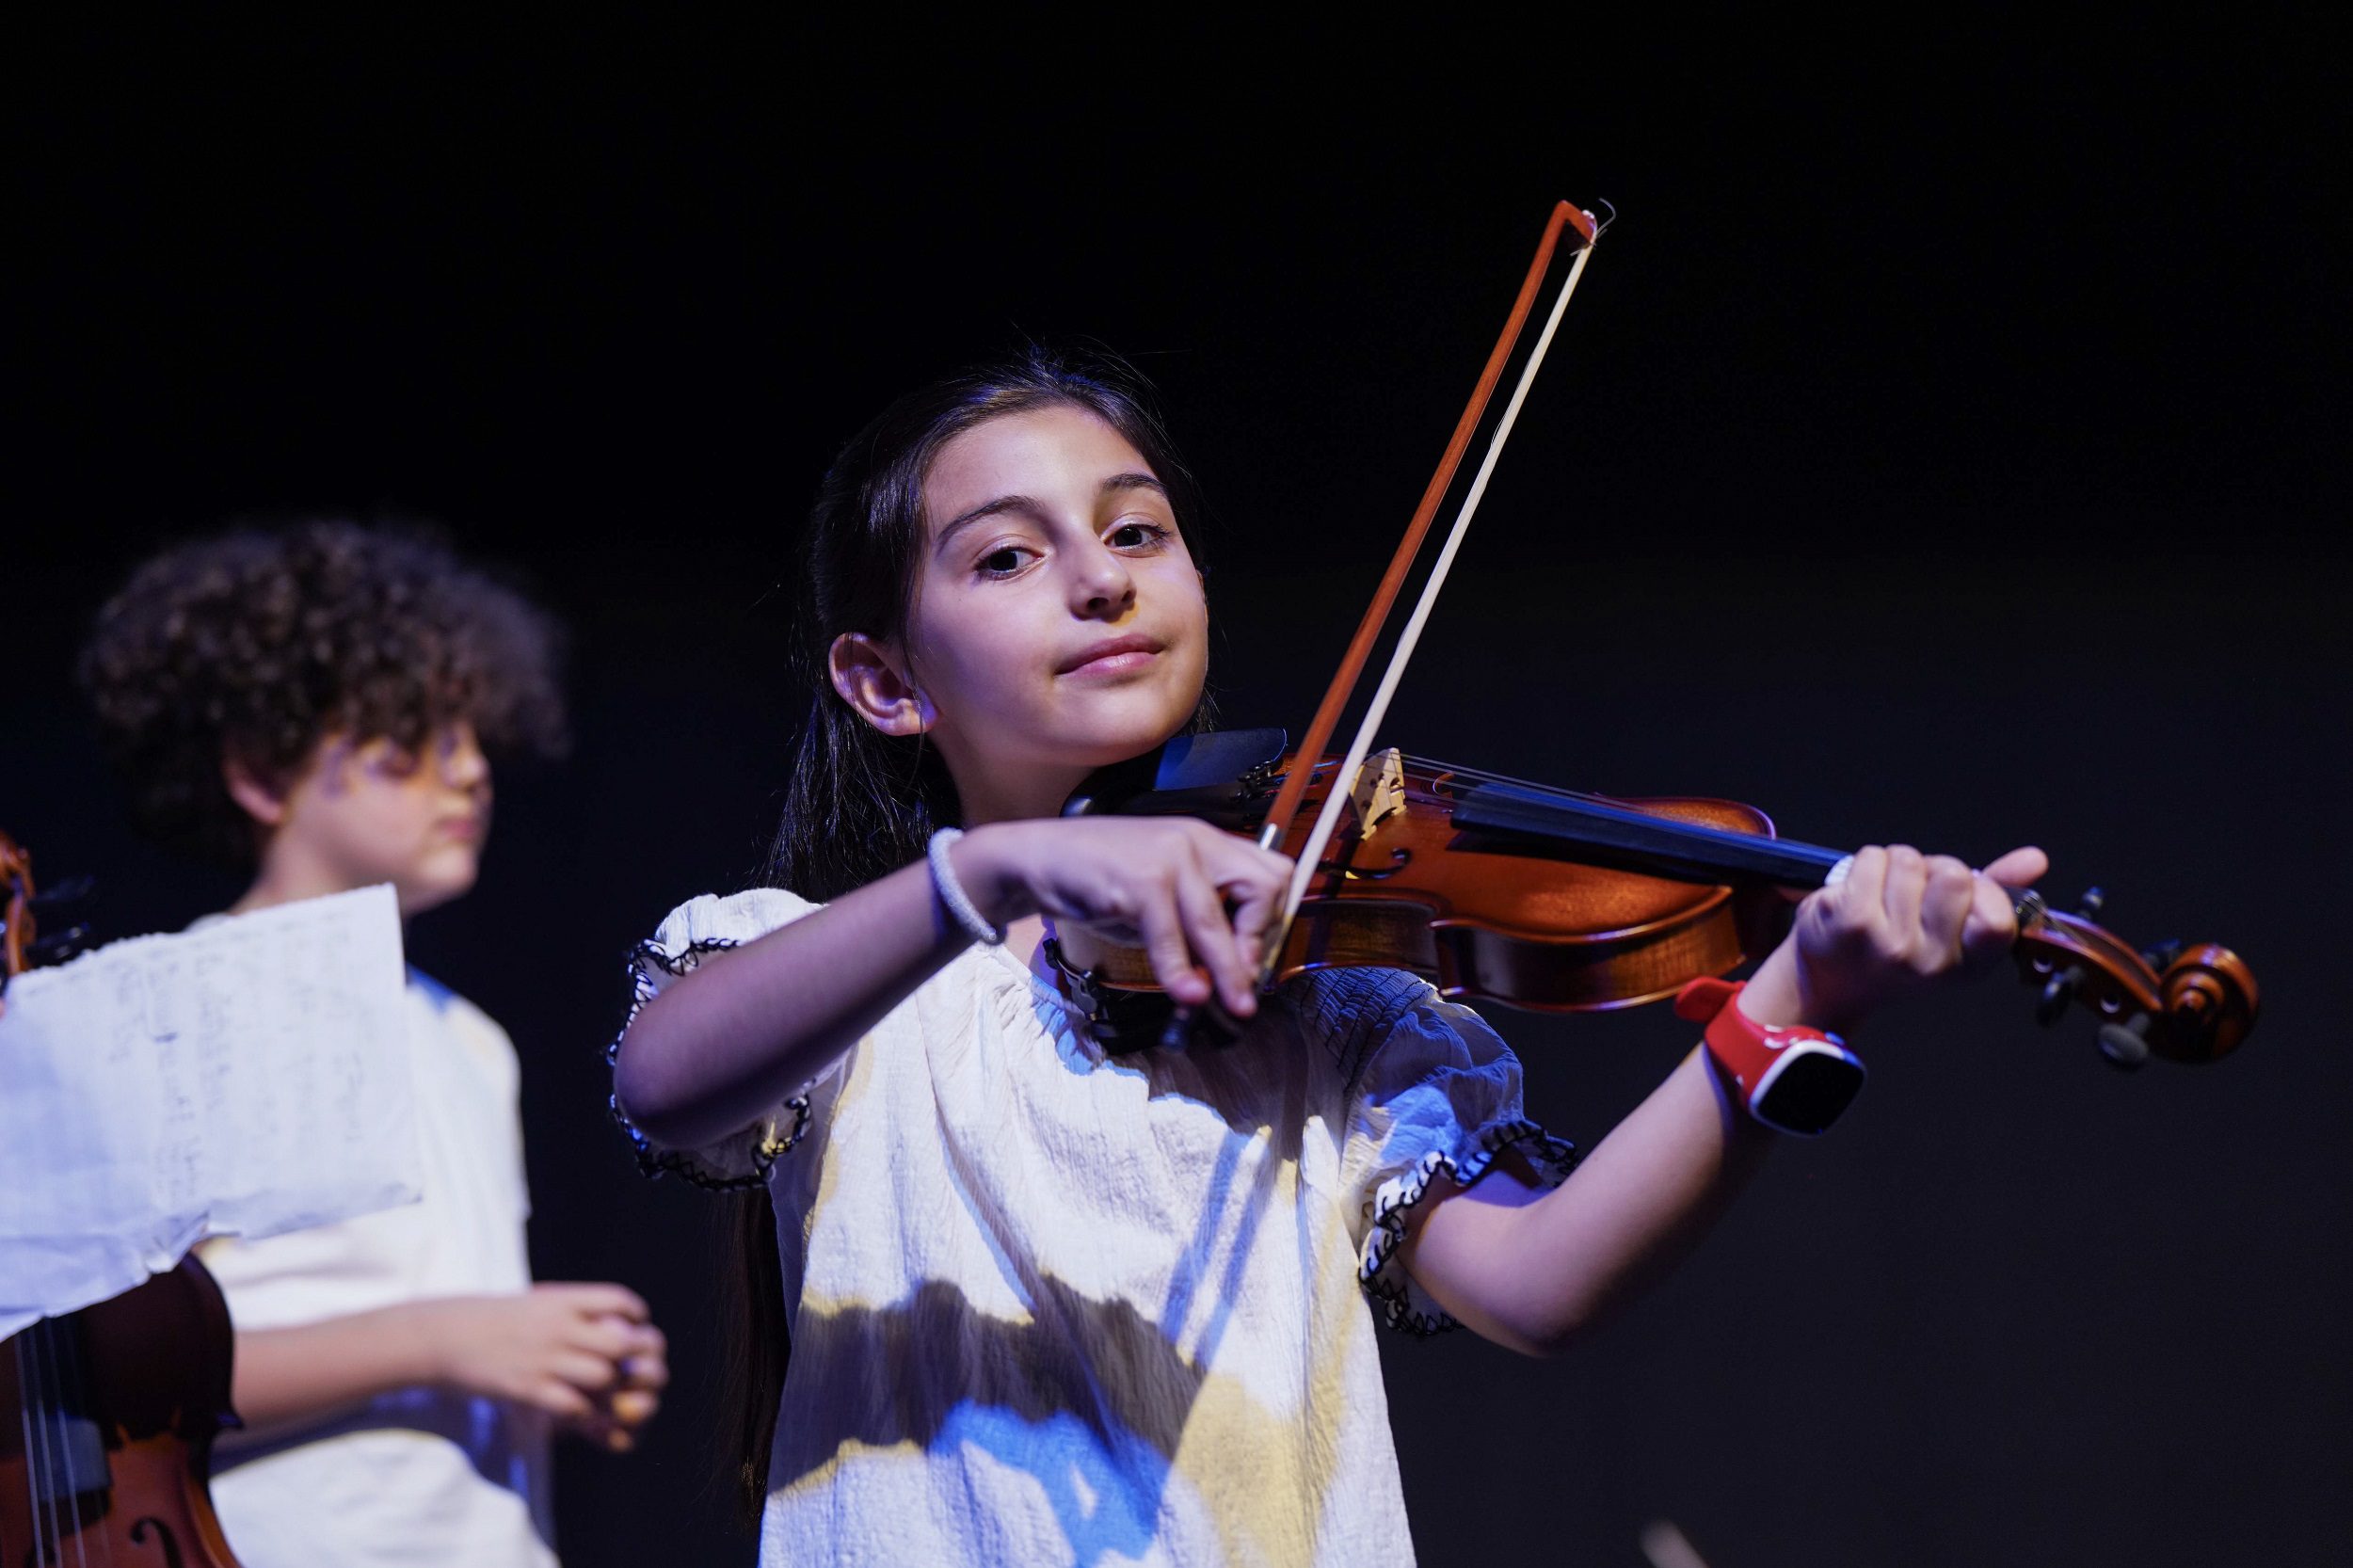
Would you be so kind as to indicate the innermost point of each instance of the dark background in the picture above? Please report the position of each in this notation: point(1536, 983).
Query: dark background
point(1946, 446)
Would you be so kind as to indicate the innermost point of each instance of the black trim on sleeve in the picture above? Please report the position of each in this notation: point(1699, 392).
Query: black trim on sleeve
point(1553, 1158)
point(653, 1162)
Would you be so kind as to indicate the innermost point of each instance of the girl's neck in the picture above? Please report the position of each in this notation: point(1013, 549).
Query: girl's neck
point(1031, 796)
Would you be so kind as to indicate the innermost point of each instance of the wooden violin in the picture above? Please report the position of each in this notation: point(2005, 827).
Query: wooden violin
point(108, 1415)
point(1502, 890)
point(1498, 890)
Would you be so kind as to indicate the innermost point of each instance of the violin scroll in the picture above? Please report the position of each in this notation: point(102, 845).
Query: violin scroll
point(2180, 1002)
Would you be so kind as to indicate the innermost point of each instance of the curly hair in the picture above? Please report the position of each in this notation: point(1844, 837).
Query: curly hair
point(255, 647)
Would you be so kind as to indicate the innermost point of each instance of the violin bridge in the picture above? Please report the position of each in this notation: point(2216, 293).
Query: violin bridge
point(1378, 789)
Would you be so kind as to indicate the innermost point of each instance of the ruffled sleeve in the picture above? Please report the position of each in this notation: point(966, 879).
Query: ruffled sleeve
point(1433, 1092)
point(695, 928)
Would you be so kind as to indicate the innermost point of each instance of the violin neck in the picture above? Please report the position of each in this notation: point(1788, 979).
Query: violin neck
point(1638, 841)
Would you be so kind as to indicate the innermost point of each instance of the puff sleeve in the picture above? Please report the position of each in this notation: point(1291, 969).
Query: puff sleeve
point(695, 928)
point(1434, 1093)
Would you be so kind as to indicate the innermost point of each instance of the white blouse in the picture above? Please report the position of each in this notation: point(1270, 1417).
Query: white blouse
point(1049, 1306)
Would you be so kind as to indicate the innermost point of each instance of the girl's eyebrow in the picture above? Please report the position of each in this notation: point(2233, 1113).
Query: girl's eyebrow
point(1025, 503)
point(1133, 482)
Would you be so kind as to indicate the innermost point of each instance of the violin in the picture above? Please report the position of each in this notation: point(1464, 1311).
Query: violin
point(1502, 889)
point(1551, 901)
point(108, 1415)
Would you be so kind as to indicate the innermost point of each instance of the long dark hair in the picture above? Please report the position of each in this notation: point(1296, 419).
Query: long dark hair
point(862, 804)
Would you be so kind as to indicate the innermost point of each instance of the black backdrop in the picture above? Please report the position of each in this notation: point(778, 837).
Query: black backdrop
point(1946, 445)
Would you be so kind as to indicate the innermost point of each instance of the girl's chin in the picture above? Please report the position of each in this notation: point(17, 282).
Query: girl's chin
point(1115, 732)
point(1115, 743)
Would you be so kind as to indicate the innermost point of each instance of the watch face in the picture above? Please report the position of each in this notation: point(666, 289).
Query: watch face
point(1808, 1089)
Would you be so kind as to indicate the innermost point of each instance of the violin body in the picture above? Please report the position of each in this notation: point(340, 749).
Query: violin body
point(108, 1418)
point(1567, 939)
point(1482, 918)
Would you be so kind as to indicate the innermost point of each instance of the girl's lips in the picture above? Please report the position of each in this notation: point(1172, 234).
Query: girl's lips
point(1116, 664)
point(1114, 656)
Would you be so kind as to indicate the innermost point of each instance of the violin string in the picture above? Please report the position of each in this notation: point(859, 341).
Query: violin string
point(32, 1454)
point(1700, 834)
point(65, 1383)
point(1327, 819)
point(77, 1381)
point(1483, 776)
point(2024, 900)
point(41, 1464)
point(49, 1436)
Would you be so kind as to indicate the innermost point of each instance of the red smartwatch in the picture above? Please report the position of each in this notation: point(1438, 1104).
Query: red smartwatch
point(1797, 1081)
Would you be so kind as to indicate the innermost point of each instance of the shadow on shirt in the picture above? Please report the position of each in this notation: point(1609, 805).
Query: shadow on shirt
point(1089, 1398)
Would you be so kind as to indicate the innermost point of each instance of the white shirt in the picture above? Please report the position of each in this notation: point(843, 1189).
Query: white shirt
point(1049, 1307)
point(421, 1476)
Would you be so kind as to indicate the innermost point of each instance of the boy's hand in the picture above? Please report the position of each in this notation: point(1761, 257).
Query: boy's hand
point(587, 1355)
point(1898, 922)
point(635, 1395)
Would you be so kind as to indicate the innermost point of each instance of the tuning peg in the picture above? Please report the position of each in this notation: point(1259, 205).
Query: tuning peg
point(2057, 994)
point(2087, 906)
point(2160, 957)
point(2125, 1045)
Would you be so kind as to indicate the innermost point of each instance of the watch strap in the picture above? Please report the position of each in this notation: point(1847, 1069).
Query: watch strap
point(1792, 1079)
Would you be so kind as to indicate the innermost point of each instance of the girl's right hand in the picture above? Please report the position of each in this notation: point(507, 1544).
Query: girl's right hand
point(1164, 884)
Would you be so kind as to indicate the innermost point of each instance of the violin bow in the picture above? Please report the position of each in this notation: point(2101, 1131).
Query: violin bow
point(1286, 801)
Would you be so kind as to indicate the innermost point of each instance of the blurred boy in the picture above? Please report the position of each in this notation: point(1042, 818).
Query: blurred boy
point(314, 707)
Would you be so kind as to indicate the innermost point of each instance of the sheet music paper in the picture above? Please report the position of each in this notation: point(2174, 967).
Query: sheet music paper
point(248, 1078)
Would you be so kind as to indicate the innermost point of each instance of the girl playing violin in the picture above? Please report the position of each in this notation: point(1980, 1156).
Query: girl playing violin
point(1050, 1301)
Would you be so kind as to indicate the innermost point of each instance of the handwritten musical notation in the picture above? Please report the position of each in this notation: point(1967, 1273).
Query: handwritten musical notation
point(247, 1077)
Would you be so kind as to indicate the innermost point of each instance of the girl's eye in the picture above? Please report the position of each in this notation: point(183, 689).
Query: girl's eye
point(1004, 561)
point(1132, 535)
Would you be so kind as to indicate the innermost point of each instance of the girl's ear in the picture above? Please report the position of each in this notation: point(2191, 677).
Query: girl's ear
point(871, 678)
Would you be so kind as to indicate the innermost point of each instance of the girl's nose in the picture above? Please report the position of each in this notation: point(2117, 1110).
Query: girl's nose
point(1103, 585)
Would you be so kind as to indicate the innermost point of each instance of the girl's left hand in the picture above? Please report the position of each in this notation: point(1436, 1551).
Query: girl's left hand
point(1900, 920)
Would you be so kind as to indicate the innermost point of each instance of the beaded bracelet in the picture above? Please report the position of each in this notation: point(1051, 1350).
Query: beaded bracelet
point(952, 893)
